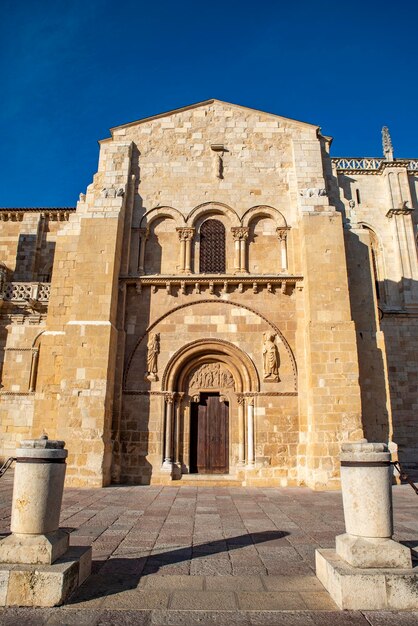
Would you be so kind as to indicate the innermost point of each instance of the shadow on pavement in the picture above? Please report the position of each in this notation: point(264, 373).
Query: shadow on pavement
point(123, 572)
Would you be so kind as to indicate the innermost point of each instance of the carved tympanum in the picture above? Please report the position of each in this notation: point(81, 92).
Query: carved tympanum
point(211, 376)
point(270, 357)
point(153, 347)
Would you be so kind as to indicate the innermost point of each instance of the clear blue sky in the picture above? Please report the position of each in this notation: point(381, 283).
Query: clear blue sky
point(70, 70)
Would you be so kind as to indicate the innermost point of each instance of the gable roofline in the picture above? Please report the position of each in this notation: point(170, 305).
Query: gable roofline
point(205, 103)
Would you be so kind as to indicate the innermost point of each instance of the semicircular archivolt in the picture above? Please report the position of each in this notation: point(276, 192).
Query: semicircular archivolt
point(211, 350)
point(212, 302)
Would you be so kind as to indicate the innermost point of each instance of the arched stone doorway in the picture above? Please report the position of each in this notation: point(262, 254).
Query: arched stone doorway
point(209, 388)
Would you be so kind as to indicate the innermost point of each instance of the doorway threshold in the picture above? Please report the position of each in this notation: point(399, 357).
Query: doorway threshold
point(209, 480)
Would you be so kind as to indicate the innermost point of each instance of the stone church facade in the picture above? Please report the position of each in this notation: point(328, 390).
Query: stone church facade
point(225, 305)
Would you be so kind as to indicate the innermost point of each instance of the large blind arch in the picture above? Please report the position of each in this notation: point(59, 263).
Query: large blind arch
point(212, 257)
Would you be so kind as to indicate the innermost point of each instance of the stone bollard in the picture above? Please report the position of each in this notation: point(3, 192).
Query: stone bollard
point(37, 495)
point(36, 538)
point(368, 570)
point(366, 484)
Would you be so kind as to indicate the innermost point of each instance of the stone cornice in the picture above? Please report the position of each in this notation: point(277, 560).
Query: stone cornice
point(227, 282)
point(54, 214)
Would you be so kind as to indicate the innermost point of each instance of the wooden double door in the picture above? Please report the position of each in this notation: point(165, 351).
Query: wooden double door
point(209, 435)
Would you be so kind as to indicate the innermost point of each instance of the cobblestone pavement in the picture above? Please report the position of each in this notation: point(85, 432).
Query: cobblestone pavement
point(206, 555)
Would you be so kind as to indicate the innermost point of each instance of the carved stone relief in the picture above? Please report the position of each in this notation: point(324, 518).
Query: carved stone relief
point(211, 376)
point(313, 192)
point(152, 356)
point(112, 192)
point(270, 358)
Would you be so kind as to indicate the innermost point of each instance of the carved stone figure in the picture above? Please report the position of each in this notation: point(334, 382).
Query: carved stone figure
point(152, 356)
point(270, 358)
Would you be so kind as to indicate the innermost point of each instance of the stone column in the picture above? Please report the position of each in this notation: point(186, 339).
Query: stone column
point(168, 451)
point(178, 407)
point(186, 435)
point(134, 252)
point(240, 235)
point(33, 369)
point(237, 255)
point(143, 236)
point(241, 430)
point(366, 484)
point(282, 236)
point(250, 431)
point(186, 237)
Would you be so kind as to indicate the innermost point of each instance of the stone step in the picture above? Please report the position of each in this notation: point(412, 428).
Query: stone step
point(209, 480)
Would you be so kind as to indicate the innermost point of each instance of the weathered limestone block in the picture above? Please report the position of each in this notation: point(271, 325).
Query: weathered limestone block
point(45, 585)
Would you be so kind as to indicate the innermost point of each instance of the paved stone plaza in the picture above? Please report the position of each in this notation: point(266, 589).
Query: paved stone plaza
point(206, 555)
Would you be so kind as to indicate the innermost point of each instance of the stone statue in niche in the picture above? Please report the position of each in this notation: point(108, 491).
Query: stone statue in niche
point(211, 376)
point(153, 347)
point(270, 358)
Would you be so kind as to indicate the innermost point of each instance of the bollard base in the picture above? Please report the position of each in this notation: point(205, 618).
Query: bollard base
point(369, 552)
point(44, 585)
point(34, 549)
point(357, 589)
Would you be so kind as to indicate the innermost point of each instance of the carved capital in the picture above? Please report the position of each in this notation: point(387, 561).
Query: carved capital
point(240, 232)
point(281, 233)
point(185, 234)
point(143, 233)
point(169, 398)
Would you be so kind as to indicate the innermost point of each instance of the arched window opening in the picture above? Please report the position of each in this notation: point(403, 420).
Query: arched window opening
point(375, 274)
point(375, 263)
point(212, 247)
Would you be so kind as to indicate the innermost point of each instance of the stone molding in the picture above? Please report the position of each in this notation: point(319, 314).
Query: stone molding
point(211, 347)
point(55, 215)
point(240, 396)
point(190, 219)
point(227, 281)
